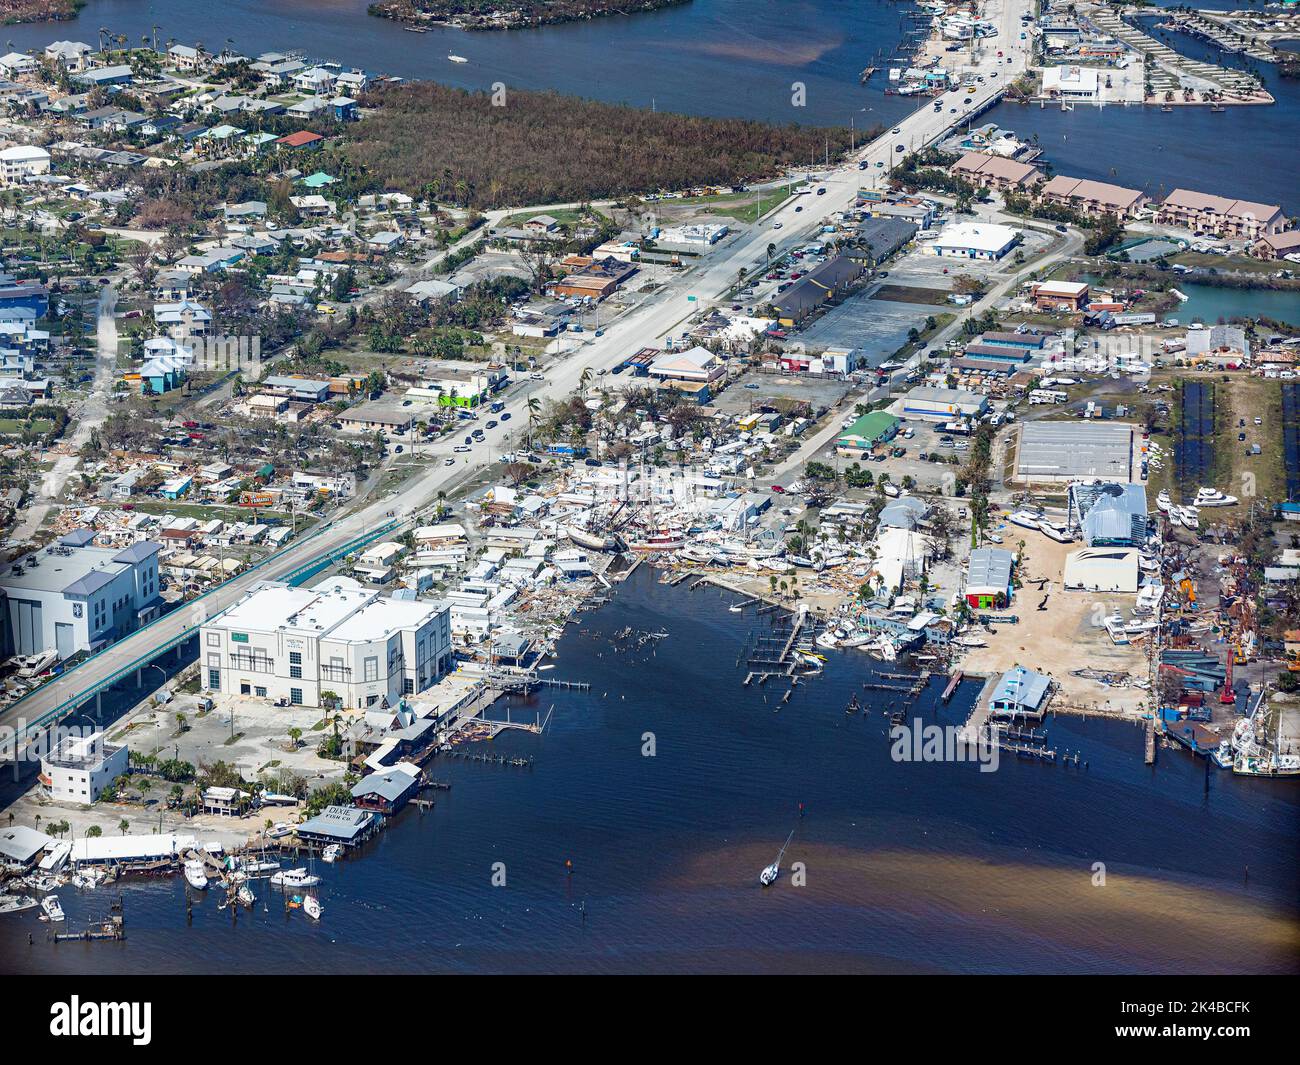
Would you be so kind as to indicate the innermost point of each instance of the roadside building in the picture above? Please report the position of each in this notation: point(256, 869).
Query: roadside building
point(975, 240)
point(70, 596)
point(1069, 296)
point(988, 578)
point(1070, 82)
point(996, 172)
point(871, 429)
point(944, 404)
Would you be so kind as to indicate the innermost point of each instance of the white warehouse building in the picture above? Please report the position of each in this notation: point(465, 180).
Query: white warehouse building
point(975, 240)
point(291, 644)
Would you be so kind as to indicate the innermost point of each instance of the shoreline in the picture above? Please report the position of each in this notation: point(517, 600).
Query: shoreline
point(412, 17)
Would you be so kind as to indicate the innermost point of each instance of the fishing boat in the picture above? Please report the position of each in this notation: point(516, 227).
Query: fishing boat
point(331, 853)
point(660, 540)
point(769, 874)
point(51, 908)
point(311, 907)
point(294, 878)
point(457, 58)
point(195, 875)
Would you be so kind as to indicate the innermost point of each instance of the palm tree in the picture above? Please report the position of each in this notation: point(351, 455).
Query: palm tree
point(534, 406)
point(123, 825)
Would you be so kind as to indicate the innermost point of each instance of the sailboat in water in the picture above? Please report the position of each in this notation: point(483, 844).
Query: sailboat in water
point(769, 874)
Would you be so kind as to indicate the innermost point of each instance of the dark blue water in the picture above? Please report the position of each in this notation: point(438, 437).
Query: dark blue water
point(931, 867)
point(1248, 153)
point(740, 57)
point(712, 57)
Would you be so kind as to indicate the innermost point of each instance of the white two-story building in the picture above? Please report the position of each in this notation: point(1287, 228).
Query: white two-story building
point(290, 645)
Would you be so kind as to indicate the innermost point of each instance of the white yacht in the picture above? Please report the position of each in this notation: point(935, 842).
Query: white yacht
point(1026, 519)
point(294, 878)
point(1212, 497)
point(195, 875)
point(1189, 518)
point(52, 908)
point(1163, 502)
point(1057, 531)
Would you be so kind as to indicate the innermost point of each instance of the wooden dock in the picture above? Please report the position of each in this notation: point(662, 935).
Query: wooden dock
point(954, 682)
point(1150, 756)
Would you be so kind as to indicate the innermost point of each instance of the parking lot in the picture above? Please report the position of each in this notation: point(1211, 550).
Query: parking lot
point(877, 327)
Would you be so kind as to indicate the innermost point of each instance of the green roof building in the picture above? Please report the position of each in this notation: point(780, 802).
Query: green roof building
point(868, 431)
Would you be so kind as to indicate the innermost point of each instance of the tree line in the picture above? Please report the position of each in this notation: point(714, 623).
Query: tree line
point(541, 147)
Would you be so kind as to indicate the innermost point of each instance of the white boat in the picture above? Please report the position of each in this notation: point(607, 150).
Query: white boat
point(1164, 502)
point(56, 857)
point(970, 640)
point(457, 58)
point(331, 853)
point(1056, 531)
point(16, 903)
point(52, 909)
point(311, 907)
point(883, 647)
point(294, 878)
point(591, 541)
point(1026, 519)
point(245, 895)
point(735, 608)
point(769, 874)
point(1189, 518)
point(826, 640)
point(1211, 497)
point(858, 639)
point(195, 875)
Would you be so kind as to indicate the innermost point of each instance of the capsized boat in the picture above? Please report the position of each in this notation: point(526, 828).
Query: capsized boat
point(311, 907)
point(52, 908)
point(331, 853)
point(457, 58)
point(770, 872)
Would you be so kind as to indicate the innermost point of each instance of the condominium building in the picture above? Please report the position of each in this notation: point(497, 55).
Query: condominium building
point(996, 172)
point(291, 644)
point(1221, 216)
point(1093, 198)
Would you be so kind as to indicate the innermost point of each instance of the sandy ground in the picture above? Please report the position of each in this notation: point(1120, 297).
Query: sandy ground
point(1063, 636)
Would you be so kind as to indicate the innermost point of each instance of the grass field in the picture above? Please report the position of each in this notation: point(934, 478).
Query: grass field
point(745, 207)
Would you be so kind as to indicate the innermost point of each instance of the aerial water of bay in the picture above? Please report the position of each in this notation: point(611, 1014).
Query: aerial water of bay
point(669, 785)
point(737, 58)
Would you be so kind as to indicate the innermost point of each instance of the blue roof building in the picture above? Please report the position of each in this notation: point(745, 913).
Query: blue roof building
point(1020, 692)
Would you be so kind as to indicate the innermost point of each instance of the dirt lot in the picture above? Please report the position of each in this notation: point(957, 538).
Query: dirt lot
point(1062, 636)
